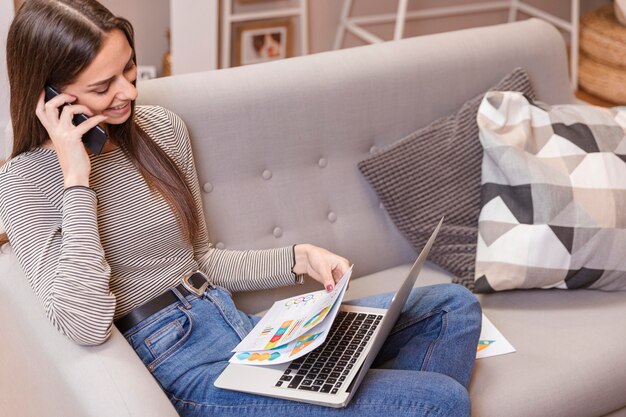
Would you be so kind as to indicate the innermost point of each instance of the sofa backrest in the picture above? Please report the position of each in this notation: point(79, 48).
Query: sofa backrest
point(277, 144)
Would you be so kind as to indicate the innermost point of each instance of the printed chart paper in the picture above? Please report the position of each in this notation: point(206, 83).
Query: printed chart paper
point(292, 327)
point(491, 342)
point(292, 350)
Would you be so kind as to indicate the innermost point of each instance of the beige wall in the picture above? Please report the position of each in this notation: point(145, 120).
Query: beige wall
point(325, 18)
point(6, 12)
point(151, 19)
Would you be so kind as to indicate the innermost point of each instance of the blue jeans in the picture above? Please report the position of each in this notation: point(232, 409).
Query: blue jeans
point(429, 354)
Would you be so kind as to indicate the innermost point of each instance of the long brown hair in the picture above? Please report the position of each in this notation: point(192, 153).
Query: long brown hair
point(51, 42)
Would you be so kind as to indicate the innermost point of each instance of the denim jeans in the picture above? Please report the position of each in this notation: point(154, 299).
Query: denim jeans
point(428, 357)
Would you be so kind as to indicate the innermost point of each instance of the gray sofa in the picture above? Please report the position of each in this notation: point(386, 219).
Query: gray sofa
point(276, 146)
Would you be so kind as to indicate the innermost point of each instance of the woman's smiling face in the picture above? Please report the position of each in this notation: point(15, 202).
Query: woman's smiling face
point(106, 85)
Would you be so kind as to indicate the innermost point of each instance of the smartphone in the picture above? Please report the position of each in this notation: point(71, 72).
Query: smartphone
point(95, 137)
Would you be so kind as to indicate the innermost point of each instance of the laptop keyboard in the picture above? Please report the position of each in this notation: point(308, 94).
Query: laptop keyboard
point(325, 369)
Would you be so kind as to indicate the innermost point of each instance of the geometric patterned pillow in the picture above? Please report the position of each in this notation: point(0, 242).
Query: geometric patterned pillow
point(553, 196)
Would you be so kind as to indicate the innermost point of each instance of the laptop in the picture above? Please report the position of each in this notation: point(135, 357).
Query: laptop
point(330, 374)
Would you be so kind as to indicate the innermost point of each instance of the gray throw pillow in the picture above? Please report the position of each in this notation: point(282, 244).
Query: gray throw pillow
point(436, 171)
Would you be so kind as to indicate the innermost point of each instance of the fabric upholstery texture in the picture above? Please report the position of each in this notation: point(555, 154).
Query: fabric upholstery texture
point(436, 171)
point(553, 196)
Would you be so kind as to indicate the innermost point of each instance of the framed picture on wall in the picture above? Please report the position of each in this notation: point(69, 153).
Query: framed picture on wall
point(263, 41)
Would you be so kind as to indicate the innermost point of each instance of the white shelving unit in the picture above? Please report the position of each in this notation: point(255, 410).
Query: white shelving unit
point(353, 24)
point(229, 17)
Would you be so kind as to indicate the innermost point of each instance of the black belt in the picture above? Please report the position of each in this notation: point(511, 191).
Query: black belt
point(195, 283)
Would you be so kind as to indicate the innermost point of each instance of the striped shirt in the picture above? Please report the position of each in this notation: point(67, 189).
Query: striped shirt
point(93, 254)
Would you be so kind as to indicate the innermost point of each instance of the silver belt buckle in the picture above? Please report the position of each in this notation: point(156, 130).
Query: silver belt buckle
point(186, 280)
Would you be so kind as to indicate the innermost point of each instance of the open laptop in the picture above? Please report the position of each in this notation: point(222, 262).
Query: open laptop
point(330, 374)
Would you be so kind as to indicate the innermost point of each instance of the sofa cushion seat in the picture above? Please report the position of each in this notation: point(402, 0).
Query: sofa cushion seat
point(569, 359)
point(390, 280)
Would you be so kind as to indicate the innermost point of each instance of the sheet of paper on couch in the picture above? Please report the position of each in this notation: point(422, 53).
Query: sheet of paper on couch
point(491, 342)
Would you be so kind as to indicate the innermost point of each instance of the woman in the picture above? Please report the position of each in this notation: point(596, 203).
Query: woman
point(105, 239)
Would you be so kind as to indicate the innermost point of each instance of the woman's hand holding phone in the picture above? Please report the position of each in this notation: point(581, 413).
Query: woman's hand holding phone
point(67, 138)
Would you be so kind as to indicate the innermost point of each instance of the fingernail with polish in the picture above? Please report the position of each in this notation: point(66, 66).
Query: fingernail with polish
point(329, 287)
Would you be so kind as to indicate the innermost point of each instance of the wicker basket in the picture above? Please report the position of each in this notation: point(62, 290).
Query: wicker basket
point(602, 61)
point(603, 38)
point(601, 80)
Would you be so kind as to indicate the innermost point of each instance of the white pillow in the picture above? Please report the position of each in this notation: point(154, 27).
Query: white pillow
point(553, 196)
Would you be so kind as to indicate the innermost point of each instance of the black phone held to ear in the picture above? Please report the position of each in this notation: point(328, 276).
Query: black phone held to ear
point(95, 138)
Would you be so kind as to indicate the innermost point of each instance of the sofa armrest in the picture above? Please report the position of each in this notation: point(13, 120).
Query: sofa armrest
point(64, 379)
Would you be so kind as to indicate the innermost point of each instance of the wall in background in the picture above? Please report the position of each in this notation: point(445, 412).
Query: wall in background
point(6, 14)
point(194, 27)
point(151, 19)
point(325, 18)
point(323, 21)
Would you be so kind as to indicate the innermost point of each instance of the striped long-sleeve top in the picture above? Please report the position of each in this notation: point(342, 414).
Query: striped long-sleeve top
point(93, 254)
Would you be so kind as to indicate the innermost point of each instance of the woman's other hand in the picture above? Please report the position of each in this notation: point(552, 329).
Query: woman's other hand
point(67, 138)
point(320, 264)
